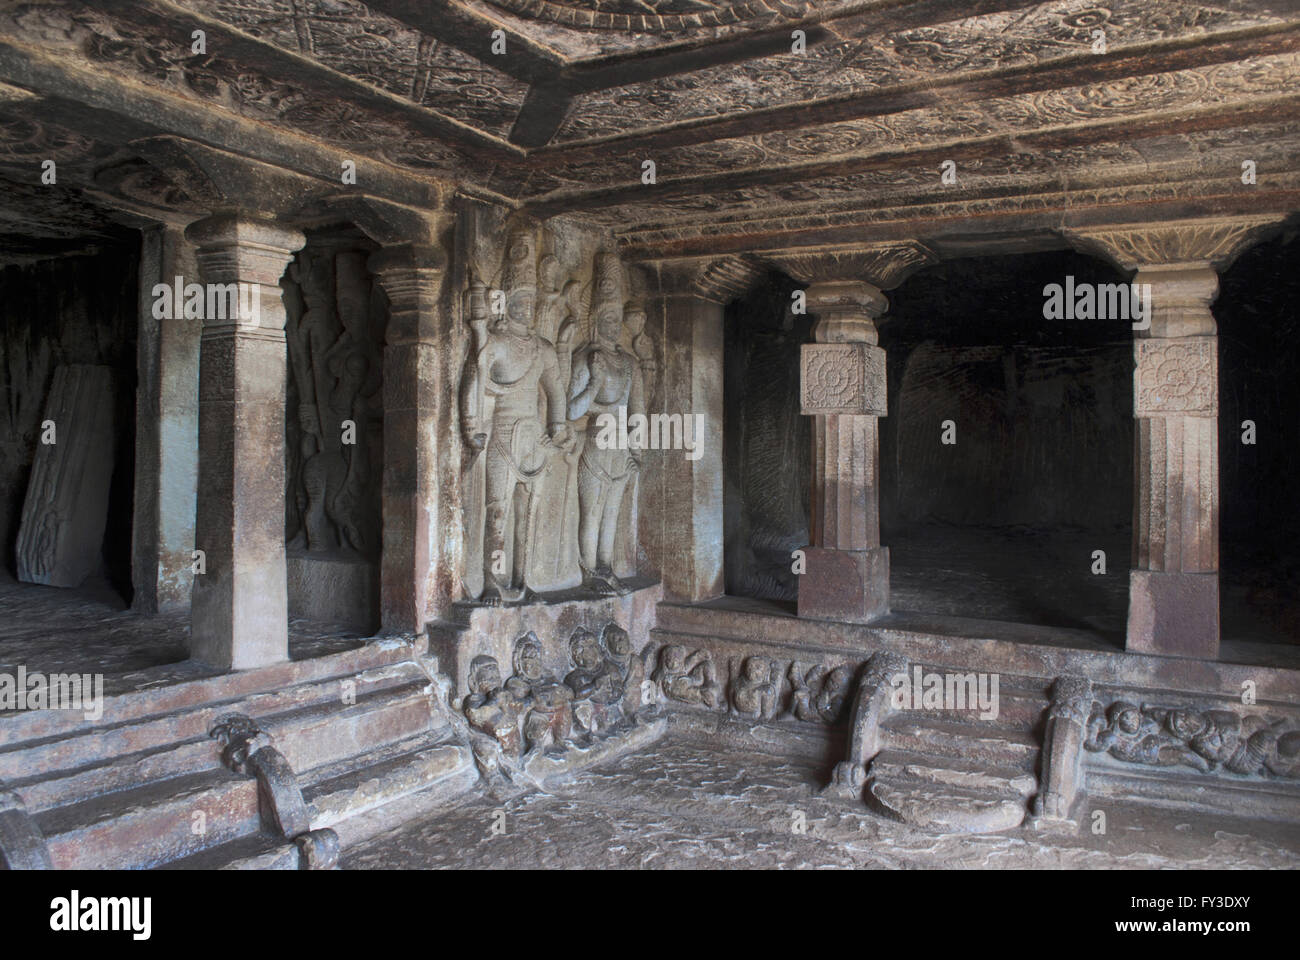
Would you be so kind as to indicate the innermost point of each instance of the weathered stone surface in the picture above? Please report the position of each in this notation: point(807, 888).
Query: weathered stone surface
point(67, 497)
point(336, 590)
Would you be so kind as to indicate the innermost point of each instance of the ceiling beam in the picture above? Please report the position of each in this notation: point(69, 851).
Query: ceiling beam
point(969, 87)
point(1122, 129)
point(470, 31)
point(168, 19)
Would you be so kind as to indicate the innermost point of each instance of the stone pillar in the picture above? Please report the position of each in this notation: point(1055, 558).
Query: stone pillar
point(240, 603)
point(842, 374)
point(842, 387)
point(166, 432)
point(422, 537)
point(684, 527)
point(1174, 581)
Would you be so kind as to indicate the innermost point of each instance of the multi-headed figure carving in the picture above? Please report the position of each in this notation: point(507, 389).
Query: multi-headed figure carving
point(511, 439)
point(606, 379)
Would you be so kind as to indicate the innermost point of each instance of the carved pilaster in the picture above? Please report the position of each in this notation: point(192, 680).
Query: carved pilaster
point(685, 497)
point(420, 553)
point(240, 602)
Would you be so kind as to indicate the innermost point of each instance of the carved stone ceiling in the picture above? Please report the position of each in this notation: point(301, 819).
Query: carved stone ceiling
point(748, 137)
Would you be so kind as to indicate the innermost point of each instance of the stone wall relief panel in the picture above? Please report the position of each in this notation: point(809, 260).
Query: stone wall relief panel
point(557, 349)
point(1207, 740)
point(566, 705)
point(336, 316)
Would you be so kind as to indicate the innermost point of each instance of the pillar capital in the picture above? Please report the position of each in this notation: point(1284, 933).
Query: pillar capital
point(846, 311)
point(411, 277)
point(1211, 242)
point(233, 248)
point(882, 265)
point(718, 280)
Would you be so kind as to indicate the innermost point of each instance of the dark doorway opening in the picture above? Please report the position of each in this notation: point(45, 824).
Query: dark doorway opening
point(1003, 521)
point(1258, 311)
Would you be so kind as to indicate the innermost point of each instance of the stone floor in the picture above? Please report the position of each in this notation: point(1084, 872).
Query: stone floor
point(686, 806)
point(90, 629)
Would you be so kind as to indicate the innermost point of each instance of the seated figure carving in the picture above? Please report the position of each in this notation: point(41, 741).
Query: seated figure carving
point(819, 695)
point(755, 693)
point(548, 723)
point(596, 684)
point(630, 668)
point(687, 679)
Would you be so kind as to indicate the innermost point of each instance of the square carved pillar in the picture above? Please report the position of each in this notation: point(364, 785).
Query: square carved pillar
point(420, 515)
point(842, 387)
point(240, 604)
point(1174, 582)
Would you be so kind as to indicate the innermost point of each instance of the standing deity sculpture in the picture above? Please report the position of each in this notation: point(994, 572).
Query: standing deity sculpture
point(337, 369)
point(511, 376)
point(605, 379)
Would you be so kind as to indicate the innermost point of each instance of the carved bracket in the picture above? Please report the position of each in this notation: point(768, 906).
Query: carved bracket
point(884, 265)
point(1217, 241)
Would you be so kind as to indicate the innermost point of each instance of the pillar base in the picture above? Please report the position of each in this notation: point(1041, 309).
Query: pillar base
point(1174, 614)
point(850, 585)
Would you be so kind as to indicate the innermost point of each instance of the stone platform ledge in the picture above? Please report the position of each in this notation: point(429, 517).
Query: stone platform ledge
point(550, 772)
point(972, 645)
point(476, 629)
point(171, 695)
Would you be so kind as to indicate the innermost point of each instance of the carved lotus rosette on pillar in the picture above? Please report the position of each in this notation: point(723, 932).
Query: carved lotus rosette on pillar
point(843, 387)
point(1174, 584)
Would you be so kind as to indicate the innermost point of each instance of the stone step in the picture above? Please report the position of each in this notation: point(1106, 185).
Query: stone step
point(942, 807)
point(143, 825)
point(257, 852)
point(1017, 710)
point(953, 772)
point(358, 799)
point(1016, 749)
point(176, 698)
point(87, 748)
point(151, 824)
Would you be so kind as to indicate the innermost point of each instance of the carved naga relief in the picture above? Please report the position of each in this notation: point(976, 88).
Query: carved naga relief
point(1205, 740)
point(546, 509)
point(335, 451)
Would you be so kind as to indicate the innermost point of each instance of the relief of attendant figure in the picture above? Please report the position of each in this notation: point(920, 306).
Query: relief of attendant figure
point(510, 437)
point(605, 378)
